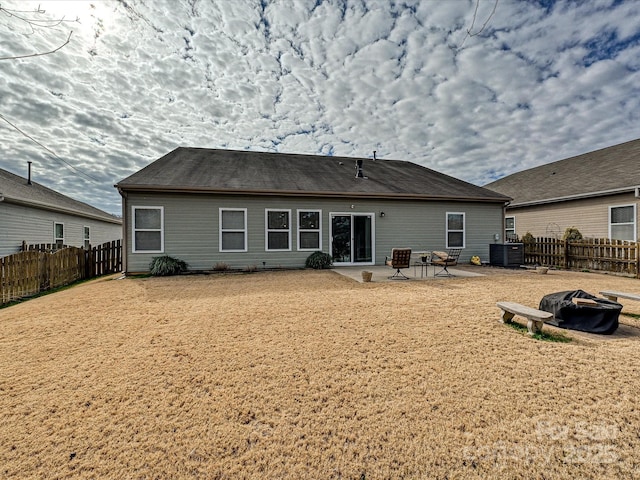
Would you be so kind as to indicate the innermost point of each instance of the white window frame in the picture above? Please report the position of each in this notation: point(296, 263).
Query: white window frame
point(635, 227)
point(134, 229)
point(55, 236)
point(267, 230)
point(86, 236)
point(243, 230)
point(447, 231)
point(509, 231)
point(313, 230)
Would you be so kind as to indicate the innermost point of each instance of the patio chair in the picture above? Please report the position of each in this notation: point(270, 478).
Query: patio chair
point(400, 258)
point(444, 260)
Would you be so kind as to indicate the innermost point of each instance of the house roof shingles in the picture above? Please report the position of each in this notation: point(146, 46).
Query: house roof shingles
point(263, 173)
point(16, 189)
point(611, 169)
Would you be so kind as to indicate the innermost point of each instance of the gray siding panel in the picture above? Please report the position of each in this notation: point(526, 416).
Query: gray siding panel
point(19, 223)
point(191, 227)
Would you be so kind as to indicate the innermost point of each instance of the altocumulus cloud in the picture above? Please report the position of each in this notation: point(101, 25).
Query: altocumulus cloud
point(466, 87)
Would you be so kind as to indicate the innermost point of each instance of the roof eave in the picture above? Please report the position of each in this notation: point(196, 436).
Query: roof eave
point(579, 196)
point(306, 193)
point(68, 211)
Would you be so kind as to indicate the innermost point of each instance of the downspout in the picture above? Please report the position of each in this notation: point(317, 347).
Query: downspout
point(504, 221)
point(125, 222)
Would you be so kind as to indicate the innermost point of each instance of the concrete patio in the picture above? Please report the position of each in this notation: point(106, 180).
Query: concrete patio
point(383, 273)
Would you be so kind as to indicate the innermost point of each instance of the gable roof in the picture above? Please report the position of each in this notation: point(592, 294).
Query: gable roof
point(200, 170)
point(602, 172)
point(16, 189)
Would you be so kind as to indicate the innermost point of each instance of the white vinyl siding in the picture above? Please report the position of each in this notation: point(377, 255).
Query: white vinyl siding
point(622, 222)
point(309, 230)
point(233, 229)
point(278, 230)
point(148, 229)
point(455, 230)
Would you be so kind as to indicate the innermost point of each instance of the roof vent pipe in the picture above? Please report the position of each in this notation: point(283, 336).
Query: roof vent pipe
point(359, 172)
point(29, 174)
point(374, 155)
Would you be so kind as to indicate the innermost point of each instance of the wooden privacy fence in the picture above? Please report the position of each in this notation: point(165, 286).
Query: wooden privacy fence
point(601, 254)
point(41, 267)
point(104, 259)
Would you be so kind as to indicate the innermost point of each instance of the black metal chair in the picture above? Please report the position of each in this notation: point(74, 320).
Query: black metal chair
point(445, 260)
point(400, 258)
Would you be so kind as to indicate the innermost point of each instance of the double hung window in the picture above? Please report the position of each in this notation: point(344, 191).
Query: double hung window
point(278, 231)
point(58, 234)
point(309, 230)
point(87, 238)
point(622, 222)
point(148, 229)
point(233, 229)
point(455, 230)
point(510, 228)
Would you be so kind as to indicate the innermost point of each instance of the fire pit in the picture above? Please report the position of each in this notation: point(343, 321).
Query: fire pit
point(579, 310)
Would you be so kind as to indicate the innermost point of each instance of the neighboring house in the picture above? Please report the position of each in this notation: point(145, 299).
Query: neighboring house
point(35, 214)
point(255, 209)
point(596, 192)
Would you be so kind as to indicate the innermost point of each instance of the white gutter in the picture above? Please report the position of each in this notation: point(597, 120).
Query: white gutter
point(579, 196)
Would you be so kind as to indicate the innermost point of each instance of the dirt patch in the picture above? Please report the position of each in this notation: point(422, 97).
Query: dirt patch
point(312, 375)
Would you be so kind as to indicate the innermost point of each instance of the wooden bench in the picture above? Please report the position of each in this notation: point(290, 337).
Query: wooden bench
point(615, 295)
point(534, 316)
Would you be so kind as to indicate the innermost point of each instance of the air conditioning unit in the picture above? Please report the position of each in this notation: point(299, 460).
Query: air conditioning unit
point(506, 254)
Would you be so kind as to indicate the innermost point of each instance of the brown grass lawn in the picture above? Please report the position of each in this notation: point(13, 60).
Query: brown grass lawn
point(308, 374)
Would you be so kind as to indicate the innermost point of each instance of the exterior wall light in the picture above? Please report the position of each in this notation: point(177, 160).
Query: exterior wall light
point(382, 214)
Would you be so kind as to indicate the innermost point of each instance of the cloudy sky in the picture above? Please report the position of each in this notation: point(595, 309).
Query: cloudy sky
point(477, 89)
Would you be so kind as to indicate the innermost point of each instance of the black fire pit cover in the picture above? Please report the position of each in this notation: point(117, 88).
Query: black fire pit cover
point(599, 318)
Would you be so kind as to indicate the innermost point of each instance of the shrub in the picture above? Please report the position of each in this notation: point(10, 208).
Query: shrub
point(318, 260)
point(251, 268)
point(528, 238)
point(166, 265)
point(221, 267)
point(571, 234)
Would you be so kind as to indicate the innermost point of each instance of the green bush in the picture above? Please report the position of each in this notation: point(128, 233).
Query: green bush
point(318, 260)
point(166, 265)
point(571, 234)
point(528, 238)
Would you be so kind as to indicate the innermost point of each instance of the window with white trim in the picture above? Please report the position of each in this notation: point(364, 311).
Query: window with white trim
point(278, 230)
point(233, 230)
point(622, 222)
point(455, 229)
point(310, 230)
point(510, 228)
point(148, 229)
point(87, 238)
point(58, 234)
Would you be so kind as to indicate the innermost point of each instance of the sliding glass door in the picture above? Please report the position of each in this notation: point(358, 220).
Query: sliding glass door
point(352, 238)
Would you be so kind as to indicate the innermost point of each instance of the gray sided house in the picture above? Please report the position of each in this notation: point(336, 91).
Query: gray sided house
point(255, 209)
point(35, 214)
point(596, 192)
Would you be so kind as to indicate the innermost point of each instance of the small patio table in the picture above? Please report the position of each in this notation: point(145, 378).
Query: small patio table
point(425, 261)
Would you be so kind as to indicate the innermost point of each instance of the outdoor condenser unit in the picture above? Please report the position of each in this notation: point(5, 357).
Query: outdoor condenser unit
point(506, 254)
